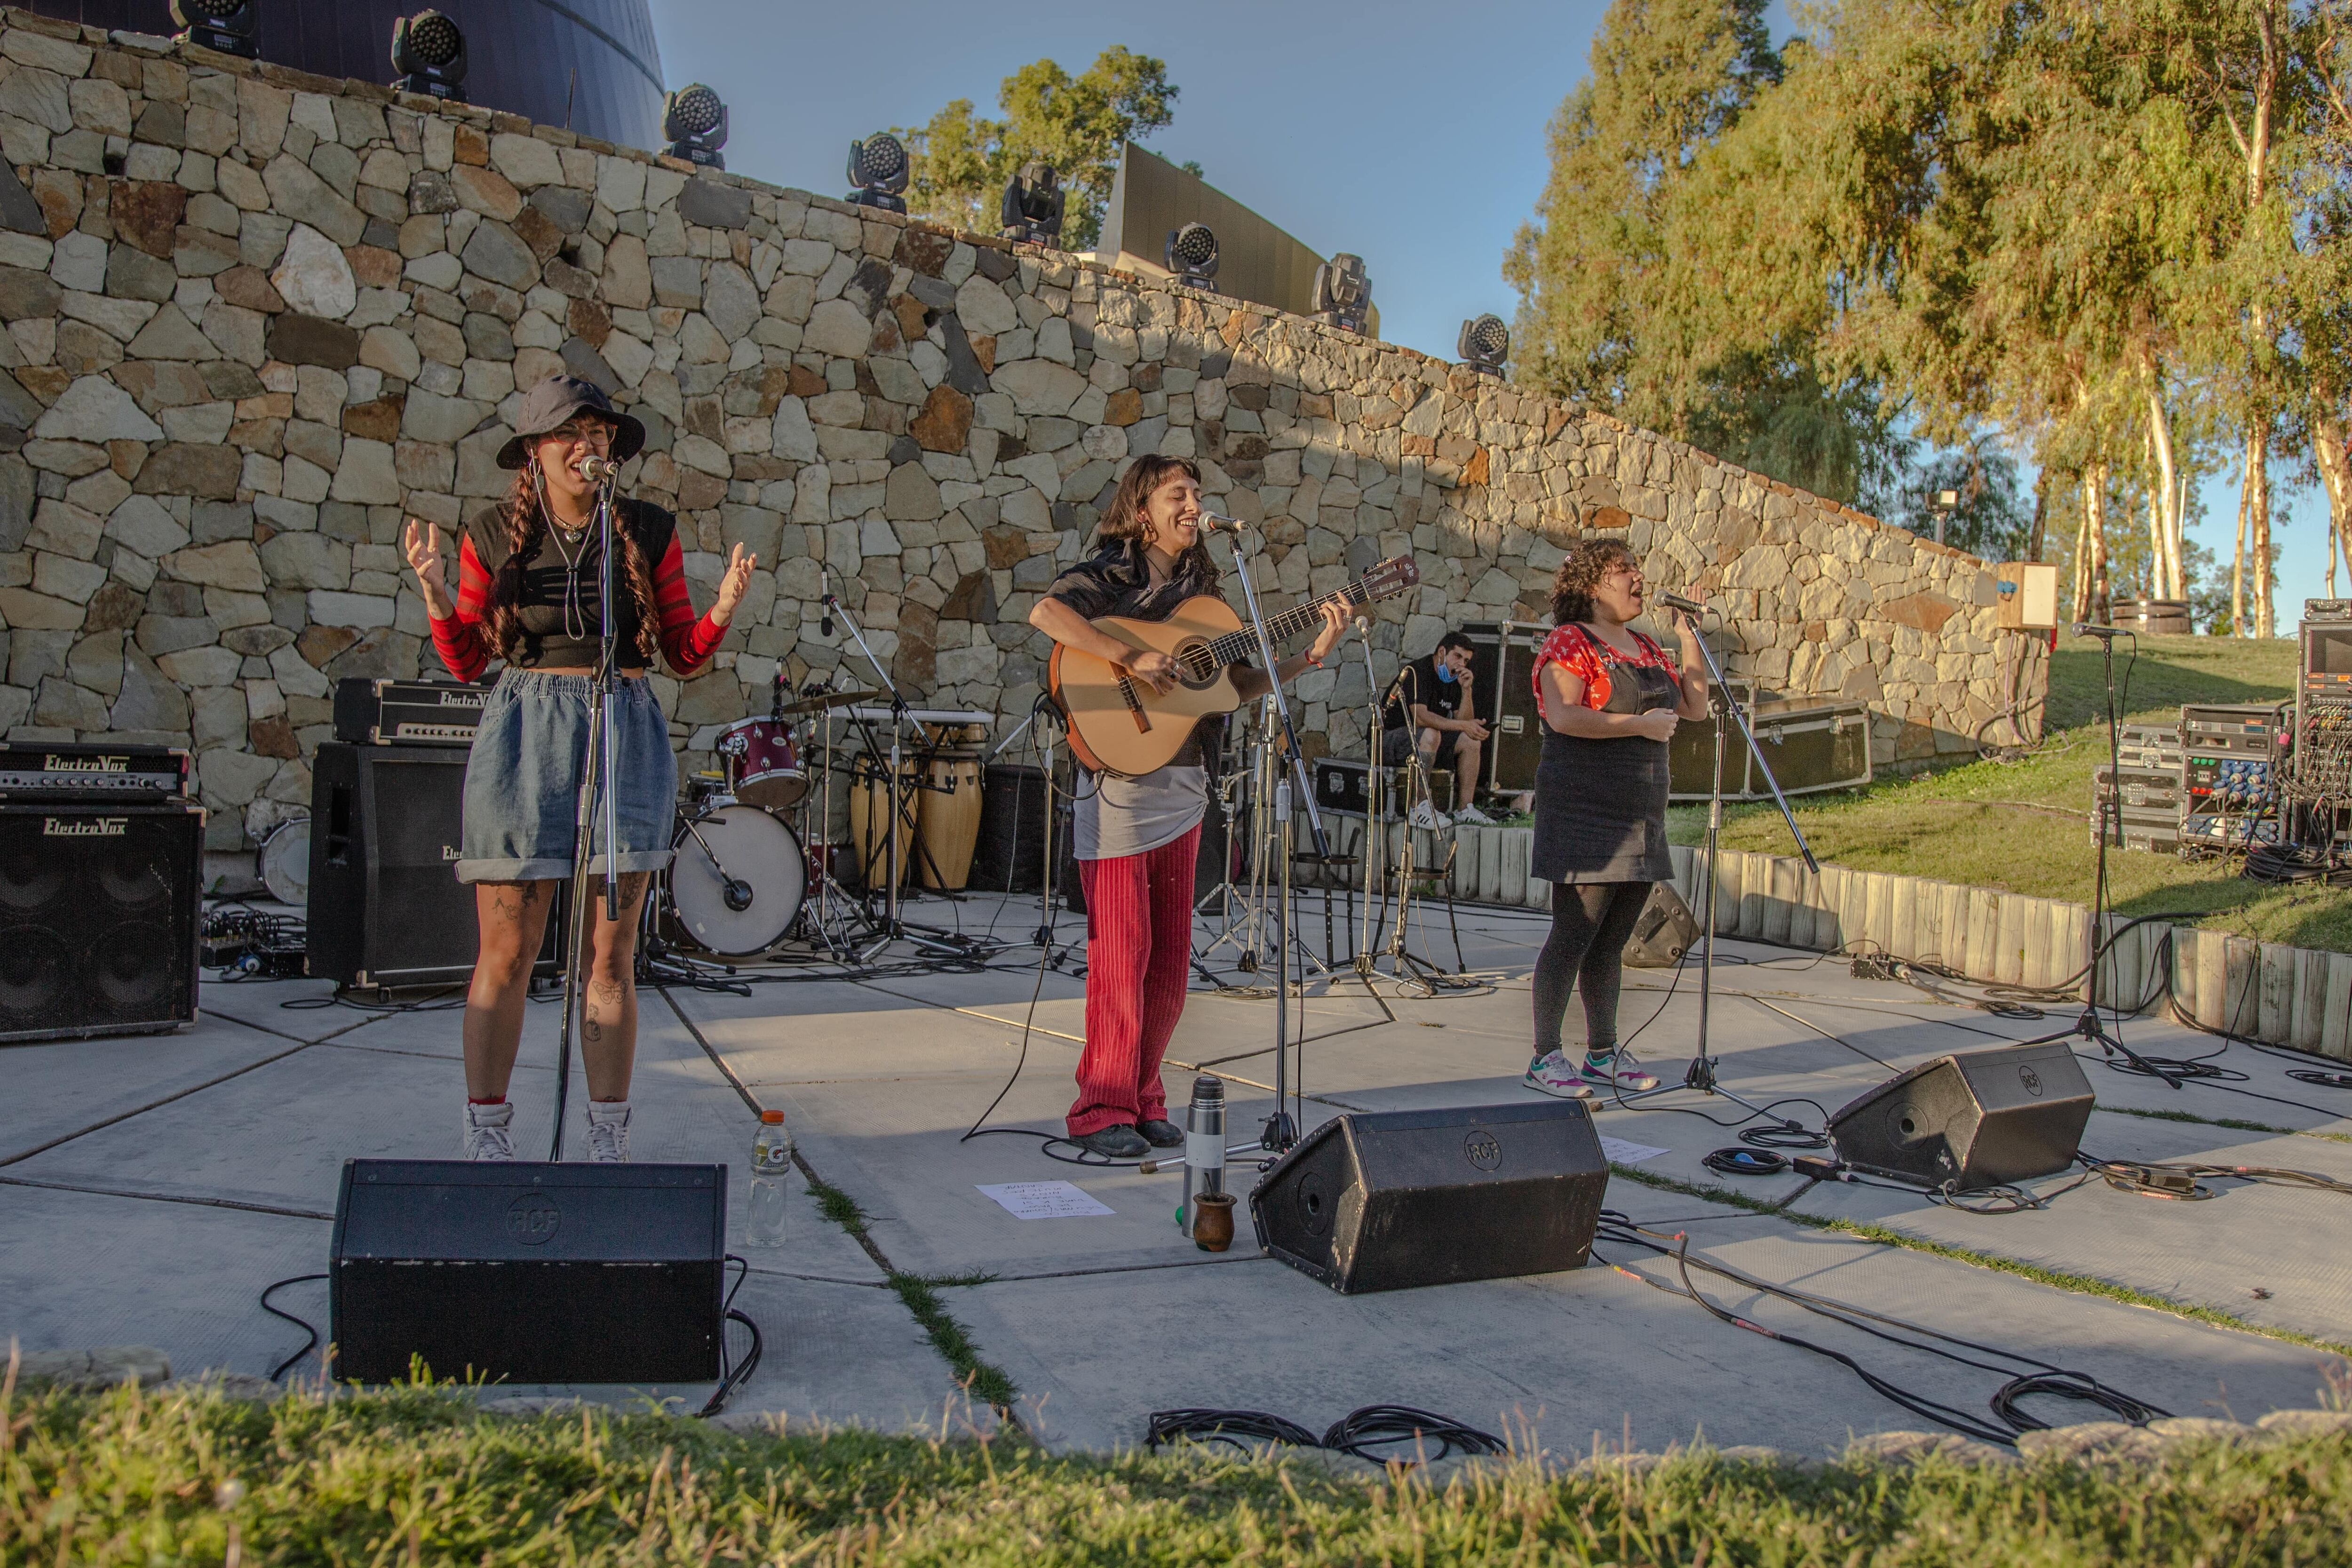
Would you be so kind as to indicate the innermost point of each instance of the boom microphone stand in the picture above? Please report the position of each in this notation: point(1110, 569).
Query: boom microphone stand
point(596, 783)
point(1281, 1127)
point(1701, 1075)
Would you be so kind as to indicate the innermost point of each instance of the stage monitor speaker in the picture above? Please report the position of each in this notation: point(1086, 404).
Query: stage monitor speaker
point(1976, 1119)
point(386, 908)
point(1386, 1200)
point(528, 1272)
point(1665, 930)
point(99, 913)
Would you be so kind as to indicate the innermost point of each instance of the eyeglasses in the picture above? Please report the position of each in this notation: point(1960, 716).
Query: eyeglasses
point(594, 432)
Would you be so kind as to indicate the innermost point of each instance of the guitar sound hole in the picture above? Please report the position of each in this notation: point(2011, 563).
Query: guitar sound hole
point(1197, 667)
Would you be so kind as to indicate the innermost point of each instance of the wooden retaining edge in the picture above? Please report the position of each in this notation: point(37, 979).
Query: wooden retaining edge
point(2268, 990)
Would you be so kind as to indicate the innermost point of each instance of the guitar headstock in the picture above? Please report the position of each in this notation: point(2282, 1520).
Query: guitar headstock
point(1391, 577)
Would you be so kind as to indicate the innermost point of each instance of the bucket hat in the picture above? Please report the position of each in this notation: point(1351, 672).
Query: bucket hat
point(546, 406)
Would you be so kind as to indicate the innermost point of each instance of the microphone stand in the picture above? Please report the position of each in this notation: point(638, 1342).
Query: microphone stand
point(894, 928)
point(1702, 1074)
point(1281, 1127)
point(601, 764)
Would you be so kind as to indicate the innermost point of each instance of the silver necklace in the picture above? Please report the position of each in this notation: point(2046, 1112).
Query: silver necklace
point(575, 614)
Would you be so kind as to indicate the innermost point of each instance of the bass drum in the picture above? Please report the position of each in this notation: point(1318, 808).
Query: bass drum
point(283, 862)
point(737, 880)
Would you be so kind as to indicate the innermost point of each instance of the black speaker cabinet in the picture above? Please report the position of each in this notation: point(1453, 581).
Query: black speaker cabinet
point(1975, 1119)
point(387, 906)
point(1010, 857)
point(528, 1272)
point(1384, 1200)
point(100, 907)
point(1665, 930)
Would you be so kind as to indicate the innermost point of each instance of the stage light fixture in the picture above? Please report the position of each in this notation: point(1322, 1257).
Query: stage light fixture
point(1947, 503)
point(1485, 344)
point(429, 52)
point(228, 26)
point(695, 121)
point(1032, 204)
point(1343, 292)
point(1192, 255)
point(877, 169)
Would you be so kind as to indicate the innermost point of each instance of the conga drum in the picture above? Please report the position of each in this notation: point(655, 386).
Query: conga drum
point(950, 817)
point(869, 809)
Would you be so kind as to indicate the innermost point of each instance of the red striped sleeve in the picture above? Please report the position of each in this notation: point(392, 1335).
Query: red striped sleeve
point(686, 642)
point(460, 640)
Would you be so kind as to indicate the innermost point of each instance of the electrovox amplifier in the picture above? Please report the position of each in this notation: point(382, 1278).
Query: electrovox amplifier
point(1979, 1119)
point(83, 771)
point(528, 1272)
point(407, 713)
point(98, 907)
point(386, 908)
point(1384, 1200)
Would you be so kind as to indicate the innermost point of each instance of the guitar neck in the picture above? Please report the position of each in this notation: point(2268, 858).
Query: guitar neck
point(1236, 648)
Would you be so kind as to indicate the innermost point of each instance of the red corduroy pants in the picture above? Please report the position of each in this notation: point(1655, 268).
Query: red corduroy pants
point(1139, 953)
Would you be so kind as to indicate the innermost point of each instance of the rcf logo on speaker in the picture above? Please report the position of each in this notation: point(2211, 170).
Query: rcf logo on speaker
point(532, 1218)
point(2030, 1079)
point(1482, 1152)
point(54, 765)
point(84, 827)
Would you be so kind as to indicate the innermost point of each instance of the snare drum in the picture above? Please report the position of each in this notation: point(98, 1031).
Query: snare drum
point(763, 769)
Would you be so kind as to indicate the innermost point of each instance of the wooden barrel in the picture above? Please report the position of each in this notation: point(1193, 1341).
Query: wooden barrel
point(870, 804)
point(2154, 617)
point(950, 819)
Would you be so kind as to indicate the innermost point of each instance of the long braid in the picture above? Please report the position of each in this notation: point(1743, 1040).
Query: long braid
point(640, 573)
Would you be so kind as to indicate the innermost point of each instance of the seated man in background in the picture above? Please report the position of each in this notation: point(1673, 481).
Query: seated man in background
point(1428, 708)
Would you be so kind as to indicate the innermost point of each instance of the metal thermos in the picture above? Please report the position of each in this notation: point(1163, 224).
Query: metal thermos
point(1205, 1146)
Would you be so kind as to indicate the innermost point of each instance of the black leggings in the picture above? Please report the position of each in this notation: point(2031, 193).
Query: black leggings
point(1589, 924)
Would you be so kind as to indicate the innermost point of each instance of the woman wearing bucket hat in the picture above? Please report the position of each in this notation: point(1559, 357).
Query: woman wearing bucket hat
point(528, 572)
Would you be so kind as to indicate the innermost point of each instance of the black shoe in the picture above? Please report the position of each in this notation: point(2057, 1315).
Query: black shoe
point(1116, 1144)
point(1162, 1135)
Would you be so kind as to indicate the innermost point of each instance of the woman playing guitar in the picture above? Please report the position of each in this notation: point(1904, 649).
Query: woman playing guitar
point(1137, 838)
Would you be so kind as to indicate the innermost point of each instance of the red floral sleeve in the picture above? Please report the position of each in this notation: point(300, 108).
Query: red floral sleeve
point(1581, 657)
point(460, 640)
point(687, 643)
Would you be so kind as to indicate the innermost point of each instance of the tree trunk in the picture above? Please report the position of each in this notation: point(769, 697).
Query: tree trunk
point(2039, 539)
point(2094, 523)
point(2257, 513)
point(2080, 599)
point(2237, 572)
point(2166, 513)
point(2327, 450)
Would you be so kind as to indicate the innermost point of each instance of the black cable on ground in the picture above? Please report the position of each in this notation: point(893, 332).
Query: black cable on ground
point(732, 1378)
point(279, 1370)
point(2044, 1378)
point(1389, 1425)
point(1236, 1428)
point(1747, 1163)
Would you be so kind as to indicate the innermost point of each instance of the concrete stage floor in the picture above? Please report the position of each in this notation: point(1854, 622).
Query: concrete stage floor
point(150, 1187)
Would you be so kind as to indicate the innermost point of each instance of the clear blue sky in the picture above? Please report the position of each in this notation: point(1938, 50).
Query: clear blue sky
point(1411, 134)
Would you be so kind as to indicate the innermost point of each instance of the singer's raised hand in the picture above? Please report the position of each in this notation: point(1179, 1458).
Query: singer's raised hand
point(422, 546)
point(733, 586)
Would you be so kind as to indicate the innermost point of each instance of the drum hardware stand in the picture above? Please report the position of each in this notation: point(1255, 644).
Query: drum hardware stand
point(1247, 930)
point(893, 926)
point(1282, 1127)
point(1702, 1074)
point(601, 764)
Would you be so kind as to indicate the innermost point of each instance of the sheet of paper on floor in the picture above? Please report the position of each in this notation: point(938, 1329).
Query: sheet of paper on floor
point(1045, 1200)
point(1623, 1153)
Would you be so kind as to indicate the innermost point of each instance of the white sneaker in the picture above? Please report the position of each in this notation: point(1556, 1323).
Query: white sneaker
point(608, 1133)
point(1555, 1075)
point(1423, 815)
point(1471, 816)
point(490, 1133)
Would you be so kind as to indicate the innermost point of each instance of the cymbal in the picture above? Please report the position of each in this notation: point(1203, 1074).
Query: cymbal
point(817, 702)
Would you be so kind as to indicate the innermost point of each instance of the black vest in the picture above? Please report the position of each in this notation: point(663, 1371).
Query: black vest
point(546, 640)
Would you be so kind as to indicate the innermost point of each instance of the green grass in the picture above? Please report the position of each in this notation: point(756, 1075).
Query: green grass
point(2025, 827)
point(418, 1476)
point(980, 1380)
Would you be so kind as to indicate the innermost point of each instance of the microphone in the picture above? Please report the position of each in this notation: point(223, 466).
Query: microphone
point(1217, 522)
point(1677, 602)
point(598, 470)
point(2085, 629)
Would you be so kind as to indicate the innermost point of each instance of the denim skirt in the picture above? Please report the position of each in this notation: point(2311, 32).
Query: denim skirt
point(528, 762)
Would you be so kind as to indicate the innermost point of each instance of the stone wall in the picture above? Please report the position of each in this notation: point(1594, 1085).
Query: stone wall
point(255, 318)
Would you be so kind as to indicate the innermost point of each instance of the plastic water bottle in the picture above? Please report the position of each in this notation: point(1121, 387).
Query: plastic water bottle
point(771, 1156)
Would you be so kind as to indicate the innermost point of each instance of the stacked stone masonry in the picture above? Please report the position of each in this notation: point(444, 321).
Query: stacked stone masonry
point(254, 318)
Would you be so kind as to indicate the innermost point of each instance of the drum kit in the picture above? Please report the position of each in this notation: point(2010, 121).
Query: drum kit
point(755, 851)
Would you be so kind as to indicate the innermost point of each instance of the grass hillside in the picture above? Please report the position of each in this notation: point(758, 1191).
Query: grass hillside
point(2025, 826)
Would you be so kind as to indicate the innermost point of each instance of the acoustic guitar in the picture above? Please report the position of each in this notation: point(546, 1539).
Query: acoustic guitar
point(1118, 724)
